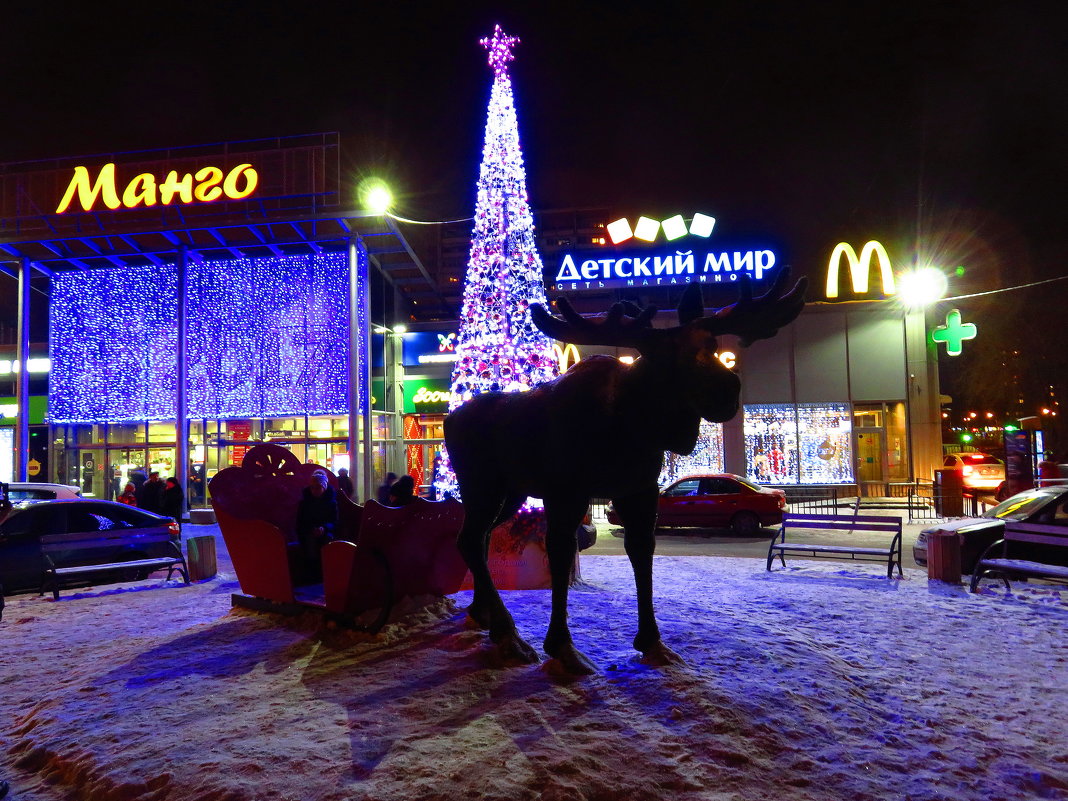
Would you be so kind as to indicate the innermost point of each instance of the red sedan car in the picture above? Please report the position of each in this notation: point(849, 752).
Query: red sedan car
point(717, 501)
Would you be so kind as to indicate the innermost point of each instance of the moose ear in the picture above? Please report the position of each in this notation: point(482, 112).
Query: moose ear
point(691, 307)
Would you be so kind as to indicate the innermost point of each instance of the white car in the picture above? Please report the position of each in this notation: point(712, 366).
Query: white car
point(24, 493)
point(981, 471)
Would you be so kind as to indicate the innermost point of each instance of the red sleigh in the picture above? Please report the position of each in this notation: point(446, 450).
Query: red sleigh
point(380, 554)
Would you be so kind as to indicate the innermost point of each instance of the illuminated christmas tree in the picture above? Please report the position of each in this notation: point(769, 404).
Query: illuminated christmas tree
point(499, 349)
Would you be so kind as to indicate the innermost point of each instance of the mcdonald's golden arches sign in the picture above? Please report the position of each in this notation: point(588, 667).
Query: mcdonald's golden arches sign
point(859, 268)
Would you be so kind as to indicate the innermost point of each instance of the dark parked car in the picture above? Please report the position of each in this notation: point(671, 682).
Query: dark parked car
point(1048, 505)
point(717, 501)
point(21, 563)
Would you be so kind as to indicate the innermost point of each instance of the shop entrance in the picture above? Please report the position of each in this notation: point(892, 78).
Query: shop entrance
point(87, 472)
point(870, 469)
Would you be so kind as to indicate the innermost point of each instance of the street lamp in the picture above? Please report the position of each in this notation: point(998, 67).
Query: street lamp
point(376, 197)
point(921, 287)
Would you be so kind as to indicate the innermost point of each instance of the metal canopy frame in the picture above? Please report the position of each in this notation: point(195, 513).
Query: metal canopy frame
point(388, 250)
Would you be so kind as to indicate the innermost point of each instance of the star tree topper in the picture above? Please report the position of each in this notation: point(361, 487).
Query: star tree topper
point(500, 49)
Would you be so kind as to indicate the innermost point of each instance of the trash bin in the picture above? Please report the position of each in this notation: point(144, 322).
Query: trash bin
point(200, 556)
point(943, 556)
point(949, 493)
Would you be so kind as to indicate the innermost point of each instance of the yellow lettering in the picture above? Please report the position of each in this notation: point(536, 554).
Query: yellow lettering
point(239, 183)
point(87, 195)
point(728, 359)
point(252, 178)
point(141, 189)
point(859, 268)
point(172, 186)
point(208, 180)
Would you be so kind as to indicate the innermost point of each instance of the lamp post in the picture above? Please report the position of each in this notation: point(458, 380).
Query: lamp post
point(918, 290)
point(393, 386)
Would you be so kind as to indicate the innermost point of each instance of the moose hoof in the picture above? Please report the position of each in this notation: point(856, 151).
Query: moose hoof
point(514, 650)
point(659, 655)
point(567, 659)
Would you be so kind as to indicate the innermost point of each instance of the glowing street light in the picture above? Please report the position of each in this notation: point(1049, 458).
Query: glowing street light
point(377, 198)
point(921, 287)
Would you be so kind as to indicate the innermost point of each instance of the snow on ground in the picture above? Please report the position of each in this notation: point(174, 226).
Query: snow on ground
point(823, 681)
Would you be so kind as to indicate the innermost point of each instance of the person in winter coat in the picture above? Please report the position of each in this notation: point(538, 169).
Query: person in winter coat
point(150, 494)
point(316, 521)
point(344, 483)
point(172, 500)
point(382, 495)
point(402, 492)
point(129, 495)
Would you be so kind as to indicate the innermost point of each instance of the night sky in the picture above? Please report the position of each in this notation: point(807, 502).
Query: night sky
point(937, 123)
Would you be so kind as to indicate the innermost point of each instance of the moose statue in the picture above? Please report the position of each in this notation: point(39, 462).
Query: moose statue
point(598, 431)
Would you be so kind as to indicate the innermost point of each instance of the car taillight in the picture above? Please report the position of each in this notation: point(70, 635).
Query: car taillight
point(968, 469)
point(174, 529)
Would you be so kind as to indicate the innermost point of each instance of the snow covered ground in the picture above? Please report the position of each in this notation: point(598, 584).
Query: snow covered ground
point(821, 681)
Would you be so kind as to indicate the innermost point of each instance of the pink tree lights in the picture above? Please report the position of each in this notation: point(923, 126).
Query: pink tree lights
point(499, 349)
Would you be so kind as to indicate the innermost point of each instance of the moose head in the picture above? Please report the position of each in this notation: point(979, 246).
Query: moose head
point(598, 431)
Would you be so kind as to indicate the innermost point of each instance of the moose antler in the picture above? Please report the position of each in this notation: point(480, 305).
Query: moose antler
point(624, 326)
point(761, 318)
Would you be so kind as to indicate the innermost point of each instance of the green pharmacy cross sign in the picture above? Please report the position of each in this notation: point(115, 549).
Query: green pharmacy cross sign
point(954, 332)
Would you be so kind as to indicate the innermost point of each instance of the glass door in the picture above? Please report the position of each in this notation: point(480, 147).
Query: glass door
point(870, 455)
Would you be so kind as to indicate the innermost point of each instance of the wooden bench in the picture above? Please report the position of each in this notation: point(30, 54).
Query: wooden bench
point(852, 524)
point(69, 555)
point(997, 560)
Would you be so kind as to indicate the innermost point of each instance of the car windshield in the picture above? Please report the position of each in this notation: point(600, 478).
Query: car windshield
point(1021, 506)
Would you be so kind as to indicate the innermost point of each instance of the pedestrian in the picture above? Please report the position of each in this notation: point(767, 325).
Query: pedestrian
point(383, 489)
point(149, 494)
point(1049, 473)
point(402, 492)
point(129, 495)
point(172, 500)
point(138, 477)
point(344, 483)
point(316, 520)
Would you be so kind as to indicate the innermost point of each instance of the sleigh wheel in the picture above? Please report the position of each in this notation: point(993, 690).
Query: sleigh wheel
point(270, 461)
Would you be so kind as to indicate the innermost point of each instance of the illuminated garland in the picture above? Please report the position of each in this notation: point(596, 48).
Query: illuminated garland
point(267, 337)
point(499, 349)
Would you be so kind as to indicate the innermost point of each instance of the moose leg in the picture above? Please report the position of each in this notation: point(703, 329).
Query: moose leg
point(479, 611)
point(563, 517)
point(487, 608)
point(638, 514)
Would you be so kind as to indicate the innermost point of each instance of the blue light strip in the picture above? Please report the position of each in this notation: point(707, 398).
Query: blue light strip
point(267, 338)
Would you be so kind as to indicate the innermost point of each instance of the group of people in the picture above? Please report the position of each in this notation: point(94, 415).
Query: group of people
point(317, 513)
point(154, 495)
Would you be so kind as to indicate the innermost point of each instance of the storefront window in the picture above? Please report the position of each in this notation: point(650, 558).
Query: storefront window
point(89, 434)
point(162, 431)
point(707, 457)
point(826, 449)
point(284, 428)
point(122, 433)
point(321, 428)
point(805, 444)
point(339, 427)
point(771, 443)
